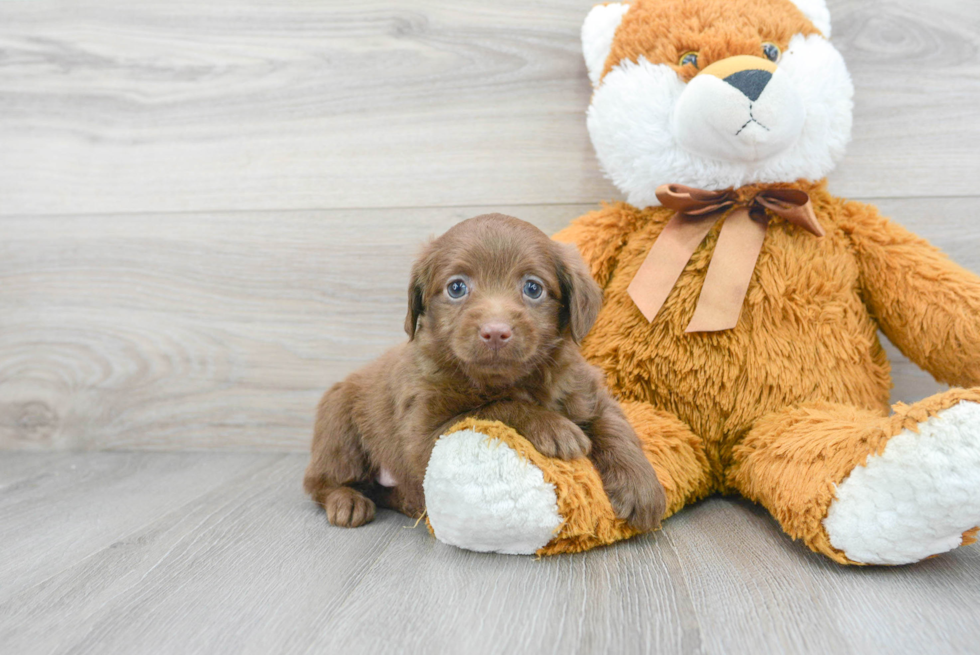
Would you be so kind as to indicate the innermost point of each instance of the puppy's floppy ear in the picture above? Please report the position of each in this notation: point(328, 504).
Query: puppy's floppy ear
point(420, 279)
point(580, 295)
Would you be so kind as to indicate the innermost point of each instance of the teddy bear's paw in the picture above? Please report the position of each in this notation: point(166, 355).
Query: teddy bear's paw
point(916, 498)
point(481, 495)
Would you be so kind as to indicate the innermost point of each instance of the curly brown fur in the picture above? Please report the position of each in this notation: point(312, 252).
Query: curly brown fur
point(496, 352)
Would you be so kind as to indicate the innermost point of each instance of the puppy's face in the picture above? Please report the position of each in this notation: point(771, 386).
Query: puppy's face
point(494, 296)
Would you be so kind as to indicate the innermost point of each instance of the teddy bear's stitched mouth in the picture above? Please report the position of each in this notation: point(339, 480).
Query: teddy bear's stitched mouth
point(752, 119)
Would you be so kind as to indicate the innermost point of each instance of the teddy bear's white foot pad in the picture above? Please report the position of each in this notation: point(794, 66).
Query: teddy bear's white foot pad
point(480, 495)
point(917, 497)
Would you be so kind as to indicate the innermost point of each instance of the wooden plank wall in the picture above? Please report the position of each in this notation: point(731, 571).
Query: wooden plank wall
point(208, 210)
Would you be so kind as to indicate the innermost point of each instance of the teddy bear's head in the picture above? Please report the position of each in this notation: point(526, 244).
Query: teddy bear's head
point(714, 93)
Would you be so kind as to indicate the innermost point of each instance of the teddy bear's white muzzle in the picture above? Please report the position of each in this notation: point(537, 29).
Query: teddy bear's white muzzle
point(747, 117)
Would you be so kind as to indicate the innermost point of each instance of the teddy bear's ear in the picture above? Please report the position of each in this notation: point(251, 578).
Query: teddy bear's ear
point(598, 31)
point(817, 12)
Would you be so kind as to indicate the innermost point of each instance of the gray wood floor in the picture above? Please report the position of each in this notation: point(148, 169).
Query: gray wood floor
point(210, 552)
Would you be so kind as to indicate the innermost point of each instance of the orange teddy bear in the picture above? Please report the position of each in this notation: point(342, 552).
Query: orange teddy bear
point(742, 304)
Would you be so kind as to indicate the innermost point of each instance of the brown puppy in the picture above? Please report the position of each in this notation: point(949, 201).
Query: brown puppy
point(495, 312)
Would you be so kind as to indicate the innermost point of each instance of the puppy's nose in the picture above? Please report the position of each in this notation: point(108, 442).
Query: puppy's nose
point(495, 335)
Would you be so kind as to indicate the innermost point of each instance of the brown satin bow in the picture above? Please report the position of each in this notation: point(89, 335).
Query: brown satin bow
point(736, 252)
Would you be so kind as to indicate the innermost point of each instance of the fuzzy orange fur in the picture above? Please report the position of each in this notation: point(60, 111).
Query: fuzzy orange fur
point(785, 405)
point(589, 519)
point(790, 462)
point(664, 31)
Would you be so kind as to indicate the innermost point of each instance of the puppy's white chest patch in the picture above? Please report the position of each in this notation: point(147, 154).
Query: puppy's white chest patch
point(386, 479)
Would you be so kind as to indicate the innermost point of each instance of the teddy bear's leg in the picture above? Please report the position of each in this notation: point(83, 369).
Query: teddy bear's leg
point(863, 488)
point(488, 489)
point(676, 453)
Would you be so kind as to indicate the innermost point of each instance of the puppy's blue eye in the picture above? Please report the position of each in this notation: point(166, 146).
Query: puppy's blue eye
point(456, 289)
point(532, 289)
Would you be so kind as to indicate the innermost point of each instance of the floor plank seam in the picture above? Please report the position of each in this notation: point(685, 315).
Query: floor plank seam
point(194, 534)
point(699, 630)
point(394, 208)
point(338, 606)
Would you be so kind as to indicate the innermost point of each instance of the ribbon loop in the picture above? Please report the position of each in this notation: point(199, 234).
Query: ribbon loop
point(692, 201)
point(732, 263)
point(793, 205)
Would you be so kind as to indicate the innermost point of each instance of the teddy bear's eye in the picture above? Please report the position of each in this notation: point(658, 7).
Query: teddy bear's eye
point(689, 58)
point(771, 51)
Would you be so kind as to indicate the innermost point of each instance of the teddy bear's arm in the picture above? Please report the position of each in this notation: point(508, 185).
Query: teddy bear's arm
point(925, 304)
point(600, 236)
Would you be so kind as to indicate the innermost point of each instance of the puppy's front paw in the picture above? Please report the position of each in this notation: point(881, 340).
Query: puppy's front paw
point(556, 436)
point(638, 497)
point(348, 508)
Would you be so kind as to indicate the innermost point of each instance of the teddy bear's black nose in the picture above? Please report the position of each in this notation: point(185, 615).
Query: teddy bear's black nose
point(750, 82)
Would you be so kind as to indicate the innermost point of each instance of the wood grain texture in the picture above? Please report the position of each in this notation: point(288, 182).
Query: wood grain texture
point(44, 533)
point(249, 565)
point(747, 578)
point(199, 331)
point(113, 107)
point(208, 214)
point(223, 330)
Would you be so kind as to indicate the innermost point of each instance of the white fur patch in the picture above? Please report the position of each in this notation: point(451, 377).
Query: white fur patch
point(386, 479)
point(917, 497)
point(715, 120)
point(817, 12)
point(480, 495)
point(598, 31)
point(631, 122)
